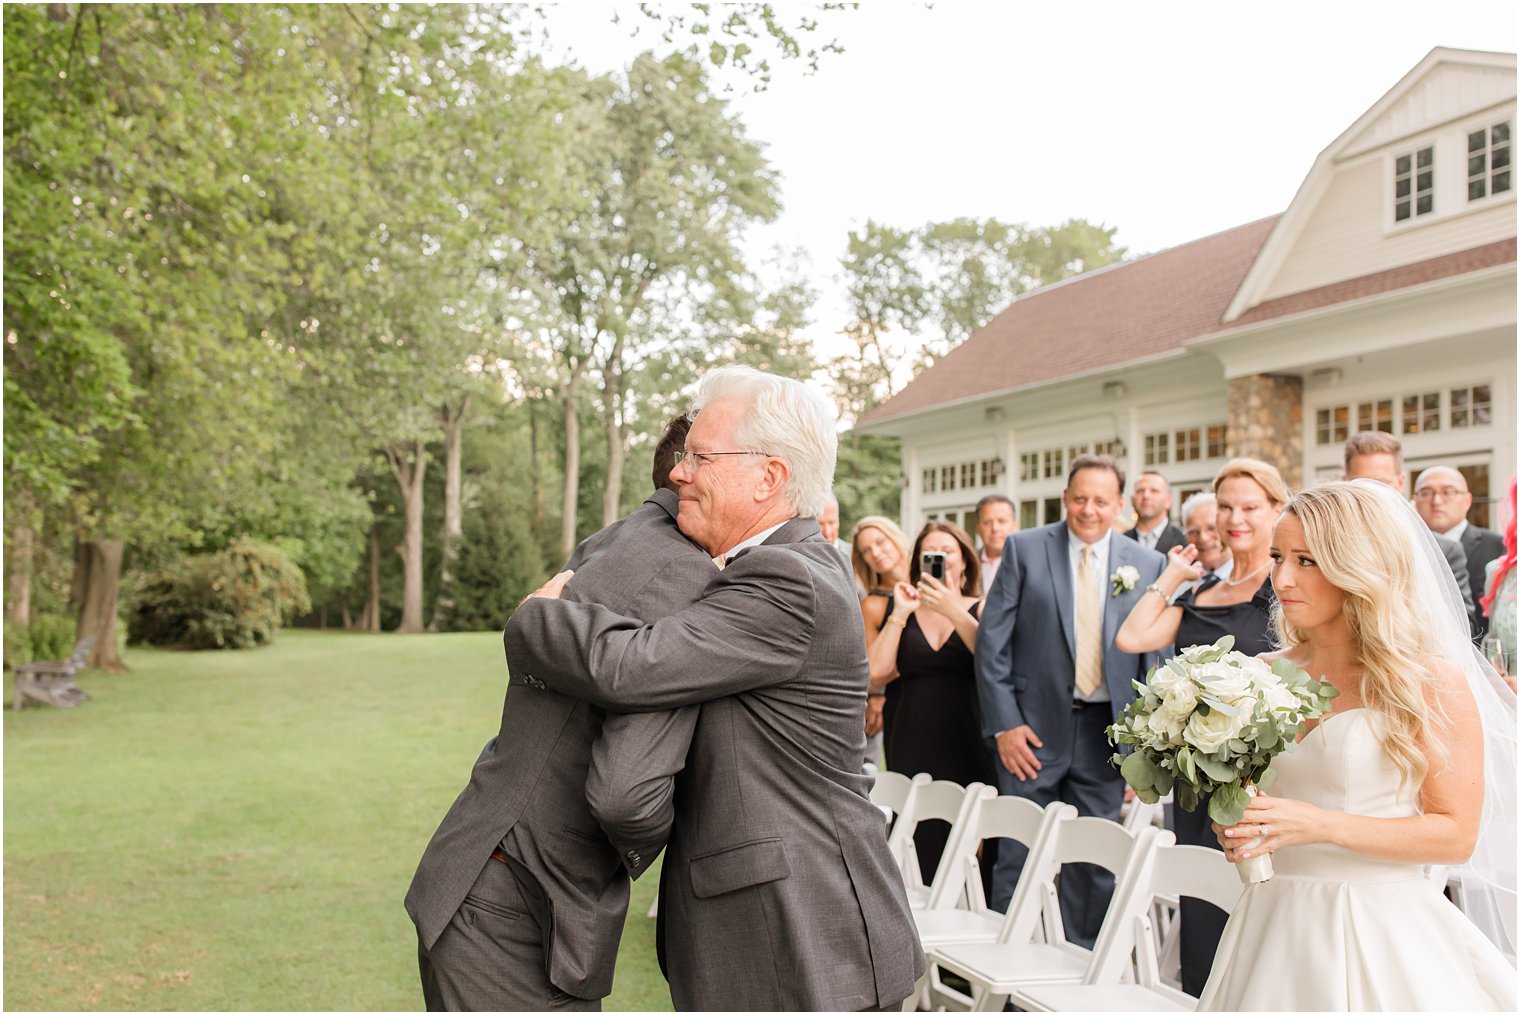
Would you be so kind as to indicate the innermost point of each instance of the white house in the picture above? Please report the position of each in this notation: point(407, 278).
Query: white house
point(1383, 298)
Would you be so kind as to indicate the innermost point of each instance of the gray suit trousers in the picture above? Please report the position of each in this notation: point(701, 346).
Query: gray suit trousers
point(491, 955)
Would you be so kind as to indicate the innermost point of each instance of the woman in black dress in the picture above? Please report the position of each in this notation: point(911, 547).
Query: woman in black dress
point(1250, 496)
point(924, 653)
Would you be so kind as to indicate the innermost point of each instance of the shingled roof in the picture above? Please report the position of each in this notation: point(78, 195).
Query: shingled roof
point(1106, 318)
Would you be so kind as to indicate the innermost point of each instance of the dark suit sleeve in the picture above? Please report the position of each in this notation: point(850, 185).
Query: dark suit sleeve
point(994, 647)
point(752, 629)
point(631, 784)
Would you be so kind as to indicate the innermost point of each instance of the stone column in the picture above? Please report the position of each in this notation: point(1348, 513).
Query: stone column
point(1267, 422)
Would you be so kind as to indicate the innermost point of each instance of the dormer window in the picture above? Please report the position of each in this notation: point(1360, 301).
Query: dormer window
point(1414, 182)
point(1488, 167)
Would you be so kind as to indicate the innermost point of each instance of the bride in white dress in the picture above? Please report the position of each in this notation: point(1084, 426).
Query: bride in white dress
point(1414, 767)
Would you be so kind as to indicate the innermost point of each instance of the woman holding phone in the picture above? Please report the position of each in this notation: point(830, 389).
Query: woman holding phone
point(926, 647)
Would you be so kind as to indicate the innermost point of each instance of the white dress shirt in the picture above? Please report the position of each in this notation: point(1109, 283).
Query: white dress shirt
point(754, 540)
point(1455, 532)
point(989, 570)
point(1151, 538)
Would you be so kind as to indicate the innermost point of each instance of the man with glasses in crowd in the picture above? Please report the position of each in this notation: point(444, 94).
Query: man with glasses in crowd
point(777, 891)
point(1442, 498)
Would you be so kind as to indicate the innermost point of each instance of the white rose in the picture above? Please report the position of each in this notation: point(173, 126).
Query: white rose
point(1277, 696)
point(1165, 678)
point(1165, 728)
point(1210, 733)
point(1223, 681)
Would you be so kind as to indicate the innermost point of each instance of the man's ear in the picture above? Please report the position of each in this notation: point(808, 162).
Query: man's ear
point(773, 480)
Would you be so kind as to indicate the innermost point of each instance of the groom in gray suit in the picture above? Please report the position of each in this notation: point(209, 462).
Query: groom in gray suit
point(1049, 678)
point(778, 891)
point(520, 898)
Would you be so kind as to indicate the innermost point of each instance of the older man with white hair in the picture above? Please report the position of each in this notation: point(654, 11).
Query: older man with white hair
point(778, 891)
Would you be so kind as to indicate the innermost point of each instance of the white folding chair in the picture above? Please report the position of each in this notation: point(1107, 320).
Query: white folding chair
point(897, 795)
point(939, 800)
point(1170, 871)
point(1021, 958)
point(957, 912)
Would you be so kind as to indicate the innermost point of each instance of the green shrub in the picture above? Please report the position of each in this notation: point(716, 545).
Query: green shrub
point(236, 598)
point(48, 636)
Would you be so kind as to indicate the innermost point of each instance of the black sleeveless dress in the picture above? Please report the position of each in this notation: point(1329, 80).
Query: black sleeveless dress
point(934, 724)
point(1251, 624)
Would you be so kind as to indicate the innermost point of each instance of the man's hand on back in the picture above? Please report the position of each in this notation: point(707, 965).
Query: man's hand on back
point(551, 588)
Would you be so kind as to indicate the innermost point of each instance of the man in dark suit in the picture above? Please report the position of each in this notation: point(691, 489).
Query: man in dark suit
point(1049, 678)
point(1153, 506)
point(520, 898)
point(778, 890)
point(1442, 498)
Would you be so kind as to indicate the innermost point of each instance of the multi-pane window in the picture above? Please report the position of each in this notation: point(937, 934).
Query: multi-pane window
point(1471, 406)
point(1114, 449)
point(1052, 509)
point(1029, 514)
point(1488, 167)
point(1187, 445)
point(1054, 467)
point(947, 477)
point(1157, 448)
point(1414, 184)
point(1216, 441)
point(1332, 425)
point(1422, 413)
point(1376, 415)
point(931, 480)
point(968, 475)
point(1077, 451)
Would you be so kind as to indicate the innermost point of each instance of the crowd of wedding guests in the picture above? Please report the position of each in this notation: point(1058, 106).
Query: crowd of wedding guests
point(940, 705)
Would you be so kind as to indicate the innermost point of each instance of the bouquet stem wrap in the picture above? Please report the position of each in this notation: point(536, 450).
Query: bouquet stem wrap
point(1259, 867)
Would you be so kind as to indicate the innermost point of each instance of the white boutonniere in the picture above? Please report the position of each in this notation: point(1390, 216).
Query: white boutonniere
point(1124, 579)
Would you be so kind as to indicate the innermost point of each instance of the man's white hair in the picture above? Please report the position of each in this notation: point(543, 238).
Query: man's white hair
point(782, 417)
point(1193, 503)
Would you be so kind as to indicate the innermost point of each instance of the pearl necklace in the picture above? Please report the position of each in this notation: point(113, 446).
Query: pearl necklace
point(1227, 583)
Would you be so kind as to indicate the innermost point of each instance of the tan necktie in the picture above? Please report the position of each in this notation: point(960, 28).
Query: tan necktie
point(1089, 625)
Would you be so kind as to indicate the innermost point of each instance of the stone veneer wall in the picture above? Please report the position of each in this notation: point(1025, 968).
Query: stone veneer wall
point(1267, 422)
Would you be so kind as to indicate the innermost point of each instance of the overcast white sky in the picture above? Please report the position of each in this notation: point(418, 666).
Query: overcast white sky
point(1171, 121)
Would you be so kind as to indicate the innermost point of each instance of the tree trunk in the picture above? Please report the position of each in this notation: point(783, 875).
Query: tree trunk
point(101, 583)
point(18, 566)
point(612, 406)
point(453, 513)
point(535, 472)
point(369, 620)
point(572, 461)
point(409, 479)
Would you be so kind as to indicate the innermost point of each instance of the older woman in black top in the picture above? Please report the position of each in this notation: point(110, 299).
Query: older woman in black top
point(1250, 496)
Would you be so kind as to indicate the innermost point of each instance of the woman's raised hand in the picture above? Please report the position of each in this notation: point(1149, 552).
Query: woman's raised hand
point(1182, 561)
point(905, 600)
point(937, 596)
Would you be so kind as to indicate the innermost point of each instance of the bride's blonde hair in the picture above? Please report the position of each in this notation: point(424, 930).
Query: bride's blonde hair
point(1363, 549)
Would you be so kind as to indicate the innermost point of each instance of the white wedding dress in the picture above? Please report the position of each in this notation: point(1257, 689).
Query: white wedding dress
point(1335, 930)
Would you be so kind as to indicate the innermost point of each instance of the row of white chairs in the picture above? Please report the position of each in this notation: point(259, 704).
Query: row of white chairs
point(1023, 955)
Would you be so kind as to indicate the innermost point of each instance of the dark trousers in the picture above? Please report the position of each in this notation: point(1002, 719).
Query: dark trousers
point(1076, 771)
point(1202, 922)
point(492, 955)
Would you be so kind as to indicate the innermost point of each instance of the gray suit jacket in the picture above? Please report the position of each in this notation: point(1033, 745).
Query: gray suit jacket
point(778, 891)
point(531, 784)
point(1456, 559)
point(1025, 645)
point(1481, 546)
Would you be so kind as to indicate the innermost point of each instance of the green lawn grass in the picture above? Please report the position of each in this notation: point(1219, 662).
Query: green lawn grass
point(236, 830)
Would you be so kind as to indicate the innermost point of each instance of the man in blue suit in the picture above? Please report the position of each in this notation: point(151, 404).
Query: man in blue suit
point(1049, 678)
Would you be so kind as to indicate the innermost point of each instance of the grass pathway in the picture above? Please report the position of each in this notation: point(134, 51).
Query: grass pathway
point(236, 830)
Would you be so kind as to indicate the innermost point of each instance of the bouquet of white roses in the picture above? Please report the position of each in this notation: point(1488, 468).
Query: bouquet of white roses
point(1209, 722)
